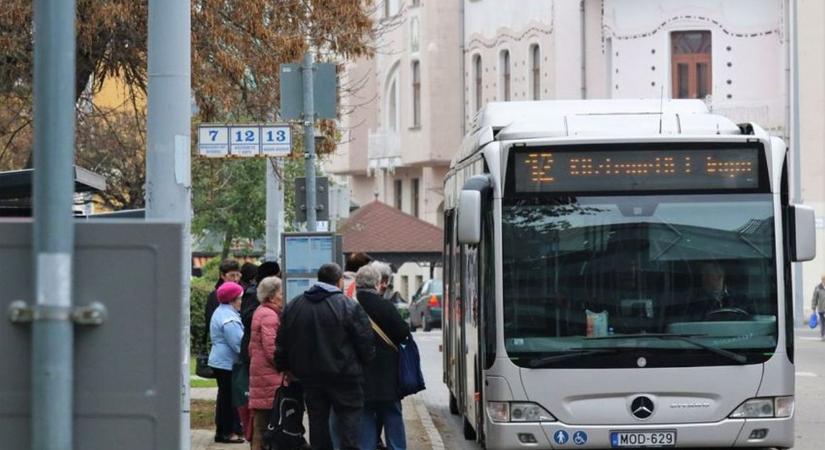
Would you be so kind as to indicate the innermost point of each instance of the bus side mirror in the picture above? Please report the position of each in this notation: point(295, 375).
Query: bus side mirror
point(469, 217)
point(803, 235)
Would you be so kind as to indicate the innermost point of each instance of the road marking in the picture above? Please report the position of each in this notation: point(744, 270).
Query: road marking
point(806, 338)
point(806, 374)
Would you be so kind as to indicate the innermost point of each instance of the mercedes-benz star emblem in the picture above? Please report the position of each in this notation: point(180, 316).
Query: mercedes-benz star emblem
point(641, 407)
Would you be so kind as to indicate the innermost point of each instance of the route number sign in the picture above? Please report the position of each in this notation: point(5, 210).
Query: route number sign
point(243, 140)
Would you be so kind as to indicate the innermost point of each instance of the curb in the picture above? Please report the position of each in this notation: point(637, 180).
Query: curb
point(433, 435)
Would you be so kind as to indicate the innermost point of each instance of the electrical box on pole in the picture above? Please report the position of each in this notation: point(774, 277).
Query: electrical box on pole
point(322, 199)
point(127, 312)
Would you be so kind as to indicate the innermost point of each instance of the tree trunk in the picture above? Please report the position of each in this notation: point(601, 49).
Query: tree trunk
point(227, 244)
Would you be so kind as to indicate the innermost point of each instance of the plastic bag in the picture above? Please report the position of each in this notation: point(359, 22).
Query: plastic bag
point(596, 323)
point(813, 320)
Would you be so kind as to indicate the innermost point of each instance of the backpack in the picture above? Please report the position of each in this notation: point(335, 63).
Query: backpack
point(285, 429)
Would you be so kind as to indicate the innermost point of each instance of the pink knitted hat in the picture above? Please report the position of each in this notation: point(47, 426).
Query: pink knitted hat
point(229, 291)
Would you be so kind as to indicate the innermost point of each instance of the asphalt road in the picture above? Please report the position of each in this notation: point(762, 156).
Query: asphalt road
point(810, 392)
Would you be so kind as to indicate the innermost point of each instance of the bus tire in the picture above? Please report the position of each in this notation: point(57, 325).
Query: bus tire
point(469, 432)
point(425, 324)
point(453, 405)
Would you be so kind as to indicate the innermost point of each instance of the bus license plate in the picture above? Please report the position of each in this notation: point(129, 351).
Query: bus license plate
point(650, 439)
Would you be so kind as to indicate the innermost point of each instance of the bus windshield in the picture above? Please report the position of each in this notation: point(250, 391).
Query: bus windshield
point(635, 281)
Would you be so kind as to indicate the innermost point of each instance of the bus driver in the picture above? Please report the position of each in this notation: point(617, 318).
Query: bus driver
point(716, 301)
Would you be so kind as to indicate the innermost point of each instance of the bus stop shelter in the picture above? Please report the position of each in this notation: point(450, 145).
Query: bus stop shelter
point(390, 235)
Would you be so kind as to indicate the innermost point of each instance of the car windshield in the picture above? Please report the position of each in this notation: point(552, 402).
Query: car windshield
point(435, 287)
point(585, 274)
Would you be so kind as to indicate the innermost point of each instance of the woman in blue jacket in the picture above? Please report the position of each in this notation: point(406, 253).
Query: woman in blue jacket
point(226, 332)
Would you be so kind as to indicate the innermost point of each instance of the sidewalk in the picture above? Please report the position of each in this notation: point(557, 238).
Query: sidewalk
point(421, 433)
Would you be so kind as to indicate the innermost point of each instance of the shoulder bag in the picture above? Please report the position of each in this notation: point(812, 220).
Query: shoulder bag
point(410, 378)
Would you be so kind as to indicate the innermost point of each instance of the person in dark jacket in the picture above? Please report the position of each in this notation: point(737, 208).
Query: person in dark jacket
point(251, 302)
point(248, 272)
point(325, 340)
point(382, 403)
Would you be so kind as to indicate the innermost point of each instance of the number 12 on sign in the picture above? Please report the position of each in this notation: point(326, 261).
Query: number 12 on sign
point(245, 141)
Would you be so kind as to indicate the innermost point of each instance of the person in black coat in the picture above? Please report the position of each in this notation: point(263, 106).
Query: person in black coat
point(382, 402)
point(325, 341)
point(250, 302)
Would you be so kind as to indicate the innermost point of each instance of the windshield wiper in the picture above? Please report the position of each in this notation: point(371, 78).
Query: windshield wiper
point(549, 360)
point(681, 337)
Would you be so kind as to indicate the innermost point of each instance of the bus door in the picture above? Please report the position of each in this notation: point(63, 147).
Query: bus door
point(450, 325)
point(471, 375)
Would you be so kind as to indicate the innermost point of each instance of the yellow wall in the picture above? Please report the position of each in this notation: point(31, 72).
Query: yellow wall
point(114, 94)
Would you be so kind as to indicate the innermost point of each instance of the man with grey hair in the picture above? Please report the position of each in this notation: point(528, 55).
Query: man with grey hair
point(382, 402)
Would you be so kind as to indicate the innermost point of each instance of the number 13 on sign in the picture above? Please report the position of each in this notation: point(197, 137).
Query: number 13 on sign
point(276, 140)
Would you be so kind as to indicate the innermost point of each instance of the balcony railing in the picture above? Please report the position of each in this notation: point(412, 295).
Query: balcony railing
point(384, 150)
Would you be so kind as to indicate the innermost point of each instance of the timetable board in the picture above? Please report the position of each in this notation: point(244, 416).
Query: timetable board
point(303, 254)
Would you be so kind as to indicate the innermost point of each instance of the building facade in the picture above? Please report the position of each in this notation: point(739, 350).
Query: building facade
point(402, 120)
point(631, 49)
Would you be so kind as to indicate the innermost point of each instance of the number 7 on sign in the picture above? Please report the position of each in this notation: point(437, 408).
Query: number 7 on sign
point(213, 134)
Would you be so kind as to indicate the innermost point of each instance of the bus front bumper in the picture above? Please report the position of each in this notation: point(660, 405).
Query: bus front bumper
point(737, 433)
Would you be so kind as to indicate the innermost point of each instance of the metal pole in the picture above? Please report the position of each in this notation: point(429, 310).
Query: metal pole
point(53, 331)
point(309, 137)
point(167, 156)
point(796, 148)
point(274, 209)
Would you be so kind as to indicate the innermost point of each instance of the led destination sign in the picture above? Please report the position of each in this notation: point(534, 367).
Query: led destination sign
point(635, 170)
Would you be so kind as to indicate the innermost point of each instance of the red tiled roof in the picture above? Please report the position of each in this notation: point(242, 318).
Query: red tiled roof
point(380, 228)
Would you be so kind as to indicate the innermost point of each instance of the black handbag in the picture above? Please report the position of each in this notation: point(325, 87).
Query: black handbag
point(202, 368)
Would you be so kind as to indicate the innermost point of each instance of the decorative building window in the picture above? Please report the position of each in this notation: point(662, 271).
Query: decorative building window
point(505, 75)
point(414, 34)
point(535, 72)
point(398, 191)
point(415, 198)
point(416, 93)
point(477, 83)
point(691, 64)
point(392, 106)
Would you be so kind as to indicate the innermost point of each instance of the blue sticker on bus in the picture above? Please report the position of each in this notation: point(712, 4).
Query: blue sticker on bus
point(580, 438)
point(561, 437)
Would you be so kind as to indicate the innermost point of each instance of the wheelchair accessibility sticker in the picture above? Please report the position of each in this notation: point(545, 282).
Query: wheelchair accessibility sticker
point(580, 438)
point(561, 437)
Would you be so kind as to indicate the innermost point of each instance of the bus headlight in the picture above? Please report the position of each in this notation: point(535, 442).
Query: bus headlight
point(783, 406)
point(767, 407)
point(518, 412)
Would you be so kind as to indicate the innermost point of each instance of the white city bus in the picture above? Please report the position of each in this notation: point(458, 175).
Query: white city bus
point(617, 273)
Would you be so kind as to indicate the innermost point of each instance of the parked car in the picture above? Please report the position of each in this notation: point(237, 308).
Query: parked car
point(425, 306)
point(400, 304)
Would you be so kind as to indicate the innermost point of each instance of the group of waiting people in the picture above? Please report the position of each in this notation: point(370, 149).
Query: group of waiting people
point(328, 339)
